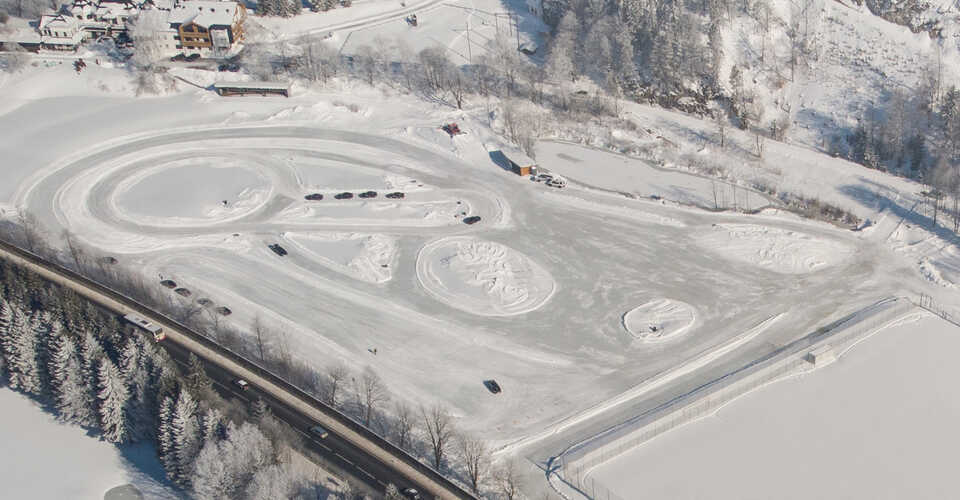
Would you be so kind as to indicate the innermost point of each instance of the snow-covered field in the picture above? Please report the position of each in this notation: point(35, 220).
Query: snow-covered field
point(879, 423)
point(659, 319)
point(43, 459)
point(778, 250)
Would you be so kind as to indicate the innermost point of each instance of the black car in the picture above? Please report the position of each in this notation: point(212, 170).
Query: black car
point(277, 249)
point(492, 386)
point(233, 68)
point(368, 194)
point(473, 219)
point(344, 196)
point(192, 57)
point(396, 196)
point(314, 197)
point(178, 57)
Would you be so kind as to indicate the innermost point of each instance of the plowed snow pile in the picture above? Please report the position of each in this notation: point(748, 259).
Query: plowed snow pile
point(774, 249)
point(659, 320)
point(362, 256)
point(483, 277)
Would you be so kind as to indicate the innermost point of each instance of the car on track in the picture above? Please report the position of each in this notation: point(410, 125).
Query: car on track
point(178, 57)
point(368, 194)
point(344, 196)
point(277, 249)
point(473, 219)
point(557, 182)
point(543, 178)
point(192, 57)
point(396, 196)
point(492, 386)
point(242, 384)
point(411, 493)
point(319, 431)
point(314, 197)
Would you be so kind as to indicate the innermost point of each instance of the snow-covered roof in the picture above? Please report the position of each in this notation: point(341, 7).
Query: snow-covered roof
point(58, 21)
point(252, 85)
point(204, 13)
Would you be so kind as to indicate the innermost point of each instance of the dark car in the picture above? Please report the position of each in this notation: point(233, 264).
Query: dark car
point(277, 249)
point(368, 194)
point(233, 68)
point(473, 219)
point(344, 196)
point(192, 57)
point(314, 197)
point(411, 493)
point(319, 431)
point(396, 196)
point(178, 57)
point(492, 386)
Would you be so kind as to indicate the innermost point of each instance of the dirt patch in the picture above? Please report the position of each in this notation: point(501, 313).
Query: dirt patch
point(184, 292)
point(169, 284)
point(223, 311)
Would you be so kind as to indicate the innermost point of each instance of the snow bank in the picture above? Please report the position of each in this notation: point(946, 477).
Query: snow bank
point(483, 277)
point(43, 459)
point(659, 319)
point(774, 249)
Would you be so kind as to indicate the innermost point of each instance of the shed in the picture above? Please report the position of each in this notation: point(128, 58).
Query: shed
point(519, 162)
point(821, 356)
point(244, 88)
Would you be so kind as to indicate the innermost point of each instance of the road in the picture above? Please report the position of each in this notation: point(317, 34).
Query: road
point(337, 452)
point(359, 451)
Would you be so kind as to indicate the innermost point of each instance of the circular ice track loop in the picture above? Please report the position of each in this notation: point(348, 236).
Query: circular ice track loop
point(659, 320)
point(483, 277)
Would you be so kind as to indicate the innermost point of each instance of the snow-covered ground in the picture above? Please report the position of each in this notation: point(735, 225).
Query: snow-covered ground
point(879, 423)
point(43, 459)
point(659, 319)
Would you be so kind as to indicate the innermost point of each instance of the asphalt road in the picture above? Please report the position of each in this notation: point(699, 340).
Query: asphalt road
point(346, 459)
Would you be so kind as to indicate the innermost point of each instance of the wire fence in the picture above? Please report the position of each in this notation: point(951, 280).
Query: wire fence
point(793, 358)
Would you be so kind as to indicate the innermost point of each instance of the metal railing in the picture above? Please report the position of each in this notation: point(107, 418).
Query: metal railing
point(576, 463)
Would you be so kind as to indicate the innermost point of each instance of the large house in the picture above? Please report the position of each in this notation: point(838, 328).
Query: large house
point(209, 28)
point(59, 32)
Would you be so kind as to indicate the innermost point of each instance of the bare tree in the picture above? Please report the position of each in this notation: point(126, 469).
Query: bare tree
point(404, 422)
point(371, 393)
point(32, 235)
point(439, 427)
point(259, 330)
point(476, 458)
point(76, 251)
point(336, 374)
point(508, 480)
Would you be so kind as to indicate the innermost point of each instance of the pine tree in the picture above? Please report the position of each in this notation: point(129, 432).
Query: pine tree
point(165, 436)
point(22, 354)
point(197, 379)
point(134, 371)
point(6, 316)
point(185, 433)
point(91, 352)
point(214, 427)
point(258, 410)
point(69, 390)
point(292, 7)
point(114, 398)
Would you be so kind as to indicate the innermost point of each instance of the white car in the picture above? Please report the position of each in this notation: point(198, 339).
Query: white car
point(543, 178)
point(557, 182)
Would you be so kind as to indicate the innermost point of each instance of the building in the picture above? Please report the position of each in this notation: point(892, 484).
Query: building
point(520, 163)
point(208, 28)
point(251, 88)
point(59, 32)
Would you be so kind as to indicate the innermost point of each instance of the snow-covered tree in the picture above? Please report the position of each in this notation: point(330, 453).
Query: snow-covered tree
point(147, 34)
point(165, 436)
point(185, 434)
point(135, 372)
point(114, 398)
point(224, 468)
point(70, 392)
point(273, 481)
point(6, 317)
point(21, 350)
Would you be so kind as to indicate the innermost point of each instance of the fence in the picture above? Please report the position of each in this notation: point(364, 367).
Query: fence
point(246, 363)
point(793, 358)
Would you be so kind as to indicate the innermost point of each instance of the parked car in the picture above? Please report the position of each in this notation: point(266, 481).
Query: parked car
point(368, 194)
point(192, 57)
point(396, 196)
point(232, 67)
point(411, 493)
point(492, 386)
point(543, 178)
point(314, 197)
point(319, 432)
point(473, 219)
point(242, 384)
point(178, 57)
point(557, 182)
point(277, 249)
point(344, 196)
